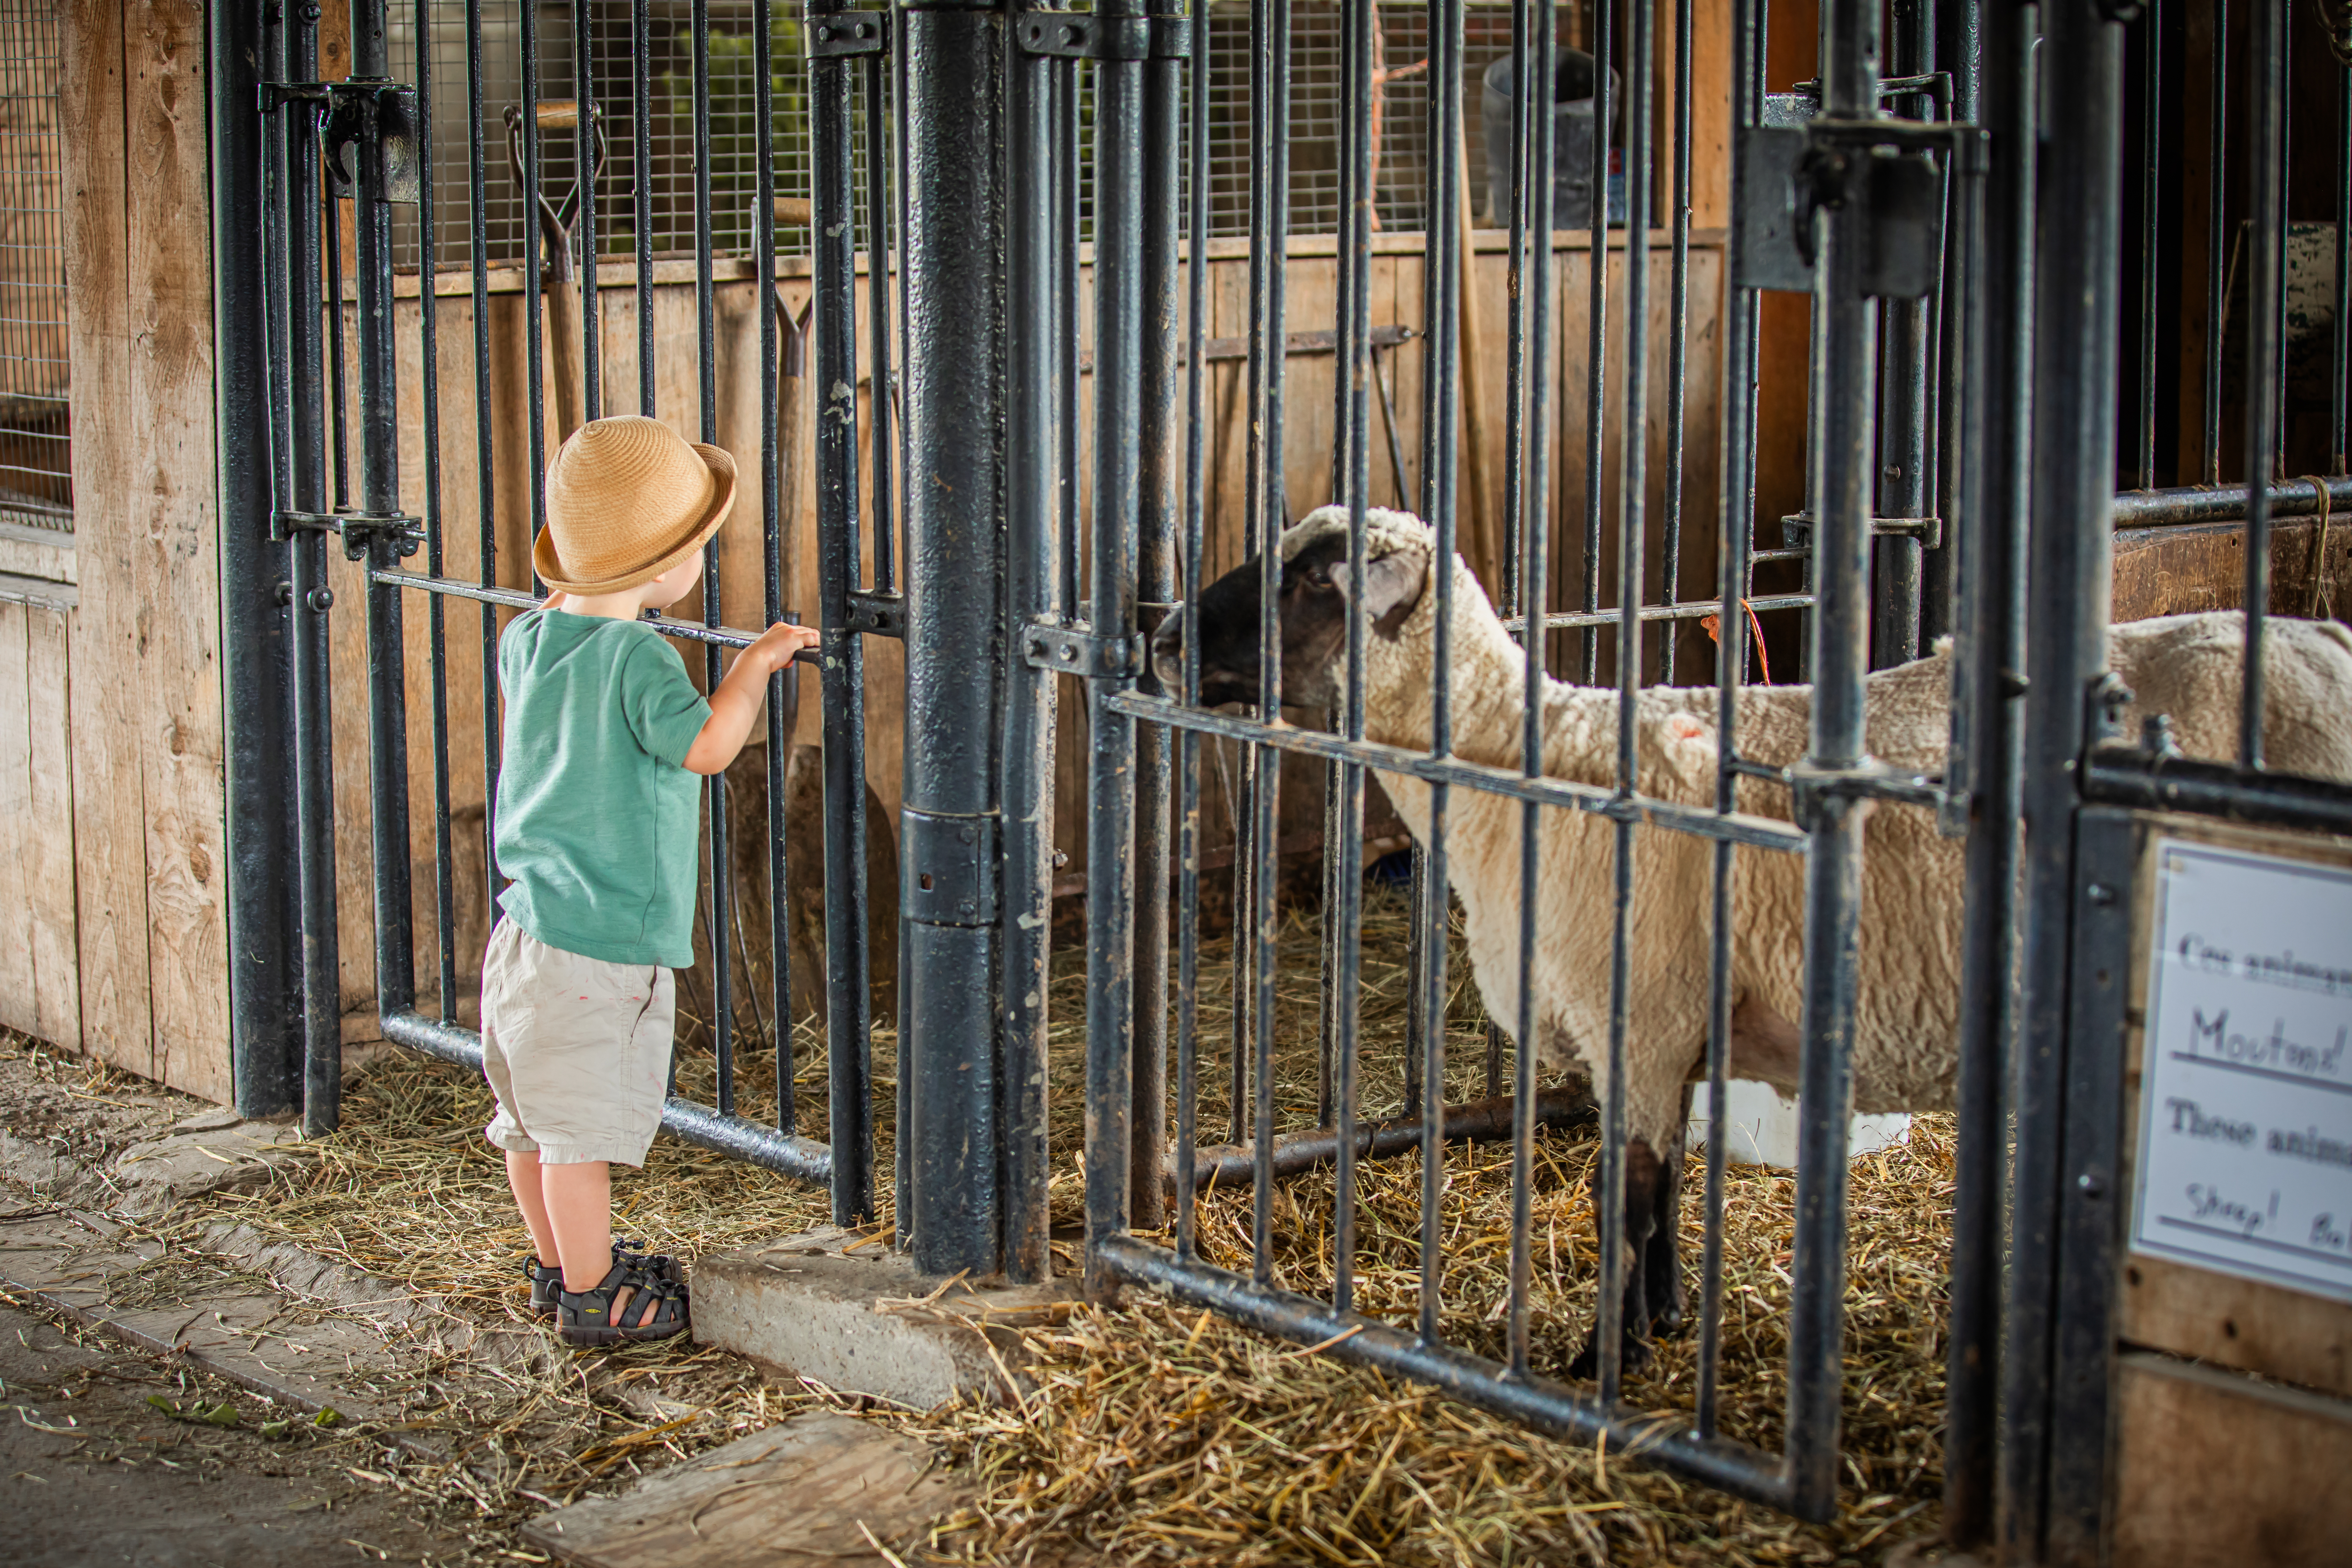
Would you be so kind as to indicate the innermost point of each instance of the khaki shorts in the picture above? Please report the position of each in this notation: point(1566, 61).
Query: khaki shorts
point(576, 1049)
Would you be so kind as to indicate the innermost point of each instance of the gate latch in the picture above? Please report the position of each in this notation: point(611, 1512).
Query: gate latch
point(950, 869)
point(359, 528)
point(1797, 530)
point(346, 109)
point(1067, 650)
point(1890, 172)
point(849, 33)
point(1082, 35)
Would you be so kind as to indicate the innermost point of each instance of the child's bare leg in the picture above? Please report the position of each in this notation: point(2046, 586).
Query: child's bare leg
point(523, 1180)
point(579, 1199)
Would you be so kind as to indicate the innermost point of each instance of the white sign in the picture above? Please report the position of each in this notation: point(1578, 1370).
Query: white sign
point(2245, 1137)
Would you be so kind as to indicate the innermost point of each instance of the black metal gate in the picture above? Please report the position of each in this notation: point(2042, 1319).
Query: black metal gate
point(353, 161)
point(1963, 259)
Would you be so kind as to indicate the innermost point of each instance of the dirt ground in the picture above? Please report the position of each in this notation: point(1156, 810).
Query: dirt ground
point(107, 1457)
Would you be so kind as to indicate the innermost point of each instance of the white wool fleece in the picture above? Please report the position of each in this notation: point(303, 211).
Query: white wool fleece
point(1909, 1001)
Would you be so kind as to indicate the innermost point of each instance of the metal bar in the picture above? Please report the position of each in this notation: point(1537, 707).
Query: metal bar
point(534, 323)
point(682, 1119)
point(1479, 1122)
point(641, 164)
point(2075, 280)
point(2340, 358)
point(848, 1015)
point(2217, 267)
point(1740, 333)
point(2266, 344)
point(1688, 610)
point(882, 381)
point(1995, 335)
point(2281, 498)
point(485, 467)
point(2090, 1223)
point(782, 704)
point(1763, 833)
point(955, 388)
point(2151, 37)
point(331, 222)
point(1679, 344)
point(720, 870)
point(1032, 477)
point(1596, 328)
point(1440, 471)
point(256, 673)
point(585, 138)
point(1535, 1401)
point(1897, 565)
point(1845, 360)
point(395, 961)
point(1159, 482)
point(1188, 741)
point(1120, 190)
point(2121, 777)
point(444, 893)
point(1354, 375)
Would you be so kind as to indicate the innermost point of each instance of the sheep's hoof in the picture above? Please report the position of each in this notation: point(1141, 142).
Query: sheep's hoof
point(1632, 1357)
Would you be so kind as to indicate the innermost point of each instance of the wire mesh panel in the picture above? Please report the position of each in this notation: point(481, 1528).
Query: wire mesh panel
point(35, 420)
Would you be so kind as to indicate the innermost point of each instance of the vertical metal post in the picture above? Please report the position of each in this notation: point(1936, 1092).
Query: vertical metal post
point(1160, 479)
point(1904, 456)
point(428, 337)
point(1844, 360)
point(956, 642)
point(848, 1018)
point(1031, 468)
point(1120, 185)
point(302, 480)
point(2076, 279)
point(379, 471)
point(2265, 333)
point(1996, 338)
point(256, 671)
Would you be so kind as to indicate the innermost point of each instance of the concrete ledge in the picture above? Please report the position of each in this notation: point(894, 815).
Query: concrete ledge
point(863, 1321)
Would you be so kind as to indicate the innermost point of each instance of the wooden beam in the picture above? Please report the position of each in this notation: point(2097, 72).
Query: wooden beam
point(109, 788)
point(175, 534)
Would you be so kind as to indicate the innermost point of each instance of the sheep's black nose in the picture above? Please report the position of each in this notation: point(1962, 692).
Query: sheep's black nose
point(1168, 650)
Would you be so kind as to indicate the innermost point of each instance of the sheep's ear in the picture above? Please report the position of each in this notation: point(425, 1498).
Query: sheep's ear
point(1393, 586)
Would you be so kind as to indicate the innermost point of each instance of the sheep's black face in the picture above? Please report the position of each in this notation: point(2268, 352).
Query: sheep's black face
point(1313, 615)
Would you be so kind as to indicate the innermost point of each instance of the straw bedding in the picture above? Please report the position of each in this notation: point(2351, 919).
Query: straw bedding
point(1157, 1433)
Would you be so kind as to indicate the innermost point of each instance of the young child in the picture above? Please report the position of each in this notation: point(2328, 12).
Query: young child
point(599, 818)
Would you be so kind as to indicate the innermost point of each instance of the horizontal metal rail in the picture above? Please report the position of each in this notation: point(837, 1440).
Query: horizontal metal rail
point(1480, 1121)
point(2132, 777)
point(1540, 1402)
point(1731, 826)
point(688, 1121)
point(2200, 503)
point(690, 631)
point(1687, 610)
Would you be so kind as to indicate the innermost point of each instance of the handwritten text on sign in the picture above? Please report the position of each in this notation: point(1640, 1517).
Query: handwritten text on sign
point(2245, 1138)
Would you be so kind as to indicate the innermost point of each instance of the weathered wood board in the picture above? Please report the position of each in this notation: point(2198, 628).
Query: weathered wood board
point(2216, 1469)
point(819, 1487)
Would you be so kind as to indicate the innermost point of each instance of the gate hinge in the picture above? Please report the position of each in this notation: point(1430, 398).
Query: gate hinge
point(850, 33)
point(1797, 530)
point(878, 614)
point(948, 875)
point(1081, 35)
point(1892, 172)
point(1067, 650)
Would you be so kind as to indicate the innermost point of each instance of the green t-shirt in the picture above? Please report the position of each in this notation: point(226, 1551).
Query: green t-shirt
point(598, 821)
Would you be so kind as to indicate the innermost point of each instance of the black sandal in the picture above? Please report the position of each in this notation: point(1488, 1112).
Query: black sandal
point(547, 1281)
point(585, 1317)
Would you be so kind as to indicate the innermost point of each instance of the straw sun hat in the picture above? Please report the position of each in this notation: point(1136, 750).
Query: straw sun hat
point(629, 499)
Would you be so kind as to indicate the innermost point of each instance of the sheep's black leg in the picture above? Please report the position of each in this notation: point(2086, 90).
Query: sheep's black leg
point(1643, 1173)
point(1662, 1260)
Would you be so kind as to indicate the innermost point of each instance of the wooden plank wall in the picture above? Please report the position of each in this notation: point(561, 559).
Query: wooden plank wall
point(1396, 287)
point(142, 704)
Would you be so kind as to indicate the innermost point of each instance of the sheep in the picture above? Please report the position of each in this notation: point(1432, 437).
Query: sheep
point(1908, 1011)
